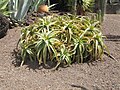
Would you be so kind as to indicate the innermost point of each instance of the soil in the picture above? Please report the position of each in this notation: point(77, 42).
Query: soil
point(100, 75)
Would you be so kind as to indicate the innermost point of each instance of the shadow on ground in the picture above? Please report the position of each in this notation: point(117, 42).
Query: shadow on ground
point(112, 38)
point(79, 87)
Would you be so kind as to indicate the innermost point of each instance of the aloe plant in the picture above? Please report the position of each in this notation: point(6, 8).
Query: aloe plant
point(38, 44)
point(21, 7)
point(78, 6)
point(100, 8)
point(87, 4)
point(63, 39)
point(4, 7)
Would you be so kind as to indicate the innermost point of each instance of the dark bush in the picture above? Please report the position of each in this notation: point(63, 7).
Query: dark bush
point(4, 25)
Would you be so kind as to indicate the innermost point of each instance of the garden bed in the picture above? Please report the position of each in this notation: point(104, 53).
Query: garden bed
point(96, 76)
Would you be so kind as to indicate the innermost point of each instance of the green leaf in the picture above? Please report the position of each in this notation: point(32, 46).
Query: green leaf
point(45, 54)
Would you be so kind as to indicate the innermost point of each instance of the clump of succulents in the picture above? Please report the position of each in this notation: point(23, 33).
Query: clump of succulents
point(62, 39)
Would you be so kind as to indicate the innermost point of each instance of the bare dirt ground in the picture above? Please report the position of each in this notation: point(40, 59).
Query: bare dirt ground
point(103, 75)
